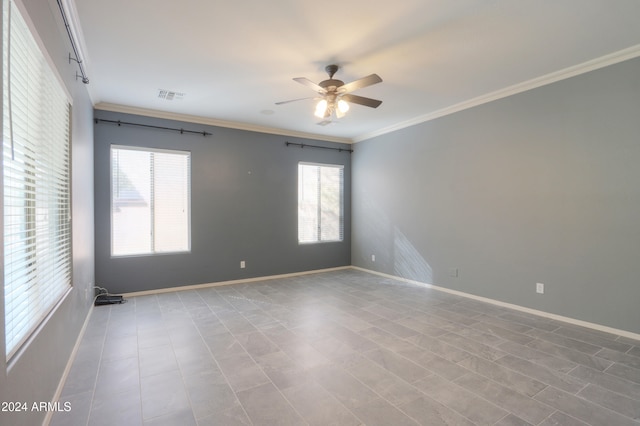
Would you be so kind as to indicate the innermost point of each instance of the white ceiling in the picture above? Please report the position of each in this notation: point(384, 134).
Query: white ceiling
point(234, 59)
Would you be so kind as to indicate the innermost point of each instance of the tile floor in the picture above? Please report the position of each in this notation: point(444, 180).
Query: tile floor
point(343, 348)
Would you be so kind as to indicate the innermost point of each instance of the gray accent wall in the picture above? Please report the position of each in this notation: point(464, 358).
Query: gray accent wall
point(539, 187)
point(33, 374)
point(243, 206)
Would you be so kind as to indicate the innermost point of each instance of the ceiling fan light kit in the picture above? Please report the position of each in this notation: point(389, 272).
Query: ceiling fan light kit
point(335, 94)
point(322, 107)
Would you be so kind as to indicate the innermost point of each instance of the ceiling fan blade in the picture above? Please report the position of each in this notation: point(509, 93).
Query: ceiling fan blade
point(292, 100)
point(361, 100)
point(359, 84)
point(311, 84)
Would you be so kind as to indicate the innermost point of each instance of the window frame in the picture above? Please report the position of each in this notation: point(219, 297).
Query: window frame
point(153, 252)
point(341, 219)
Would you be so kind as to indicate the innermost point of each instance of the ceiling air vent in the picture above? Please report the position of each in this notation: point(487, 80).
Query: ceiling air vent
point(168, 95)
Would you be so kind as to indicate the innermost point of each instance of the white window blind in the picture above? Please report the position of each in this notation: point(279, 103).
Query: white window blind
point(320, 203)
point(36, 182)
point(150, 201)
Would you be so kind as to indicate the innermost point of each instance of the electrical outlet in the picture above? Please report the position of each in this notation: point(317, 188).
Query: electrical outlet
point(373, 257)
point(453, 272)
point(242, 264)
point(539, 288)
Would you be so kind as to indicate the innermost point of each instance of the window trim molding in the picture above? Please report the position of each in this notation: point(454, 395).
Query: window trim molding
point(341, 167)
point(111, 226)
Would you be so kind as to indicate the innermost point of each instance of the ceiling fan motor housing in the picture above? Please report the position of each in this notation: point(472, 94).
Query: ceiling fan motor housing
point(328, 84)
point(331, 84)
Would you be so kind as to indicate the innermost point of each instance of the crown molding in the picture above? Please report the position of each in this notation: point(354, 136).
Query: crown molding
point(585, 67)
point(103, 106)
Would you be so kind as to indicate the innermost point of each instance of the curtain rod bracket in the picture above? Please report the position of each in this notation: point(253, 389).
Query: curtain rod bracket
point(74, 46)
point(84, 79)
point(71, 58)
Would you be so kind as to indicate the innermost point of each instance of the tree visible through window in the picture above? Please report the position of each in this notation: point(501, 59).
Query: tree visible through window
point(150, 201)
point(320, 203)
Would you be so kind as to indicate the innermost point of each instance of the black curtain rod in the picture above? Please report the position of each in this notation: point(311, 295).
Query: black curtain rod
point(302, 145)
point(175, 129)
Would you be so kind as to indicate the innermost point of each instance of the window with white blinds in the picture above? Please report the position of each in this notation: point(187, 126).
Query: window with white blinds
point(36, 182)
point(320, 203)
point(150, 201)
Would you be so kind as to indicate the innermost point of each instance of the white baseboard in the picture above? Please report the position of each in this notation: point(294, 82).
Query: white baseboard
point(230, 282)
point(65, 373)
point(568, 320)
point(544, 314)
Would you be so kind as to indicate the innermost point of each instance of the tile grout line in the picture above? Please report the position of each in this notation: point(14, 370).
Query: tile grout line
point(331, 393)
point(235, 394)
point(135, 310)
point(344, 298)
point(271, 381)
point(93, 390)
point(401, 379)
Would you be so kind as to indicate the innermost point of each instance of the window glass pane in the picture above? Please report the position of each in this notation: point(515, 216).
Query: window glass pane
point(171, 202)
point(320, 203)
point(131, 203)
point(331, 203)
point(150, 203)
point(308, 219)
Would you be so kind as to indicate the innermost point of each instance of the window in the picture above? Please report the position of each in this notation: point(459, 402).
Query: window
point(320, 203)
point(36, 182)
point(150, 201)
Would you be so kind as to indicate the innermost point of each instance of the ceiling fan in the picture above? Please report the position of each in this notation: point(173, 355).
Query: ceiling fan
point(335, 95)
